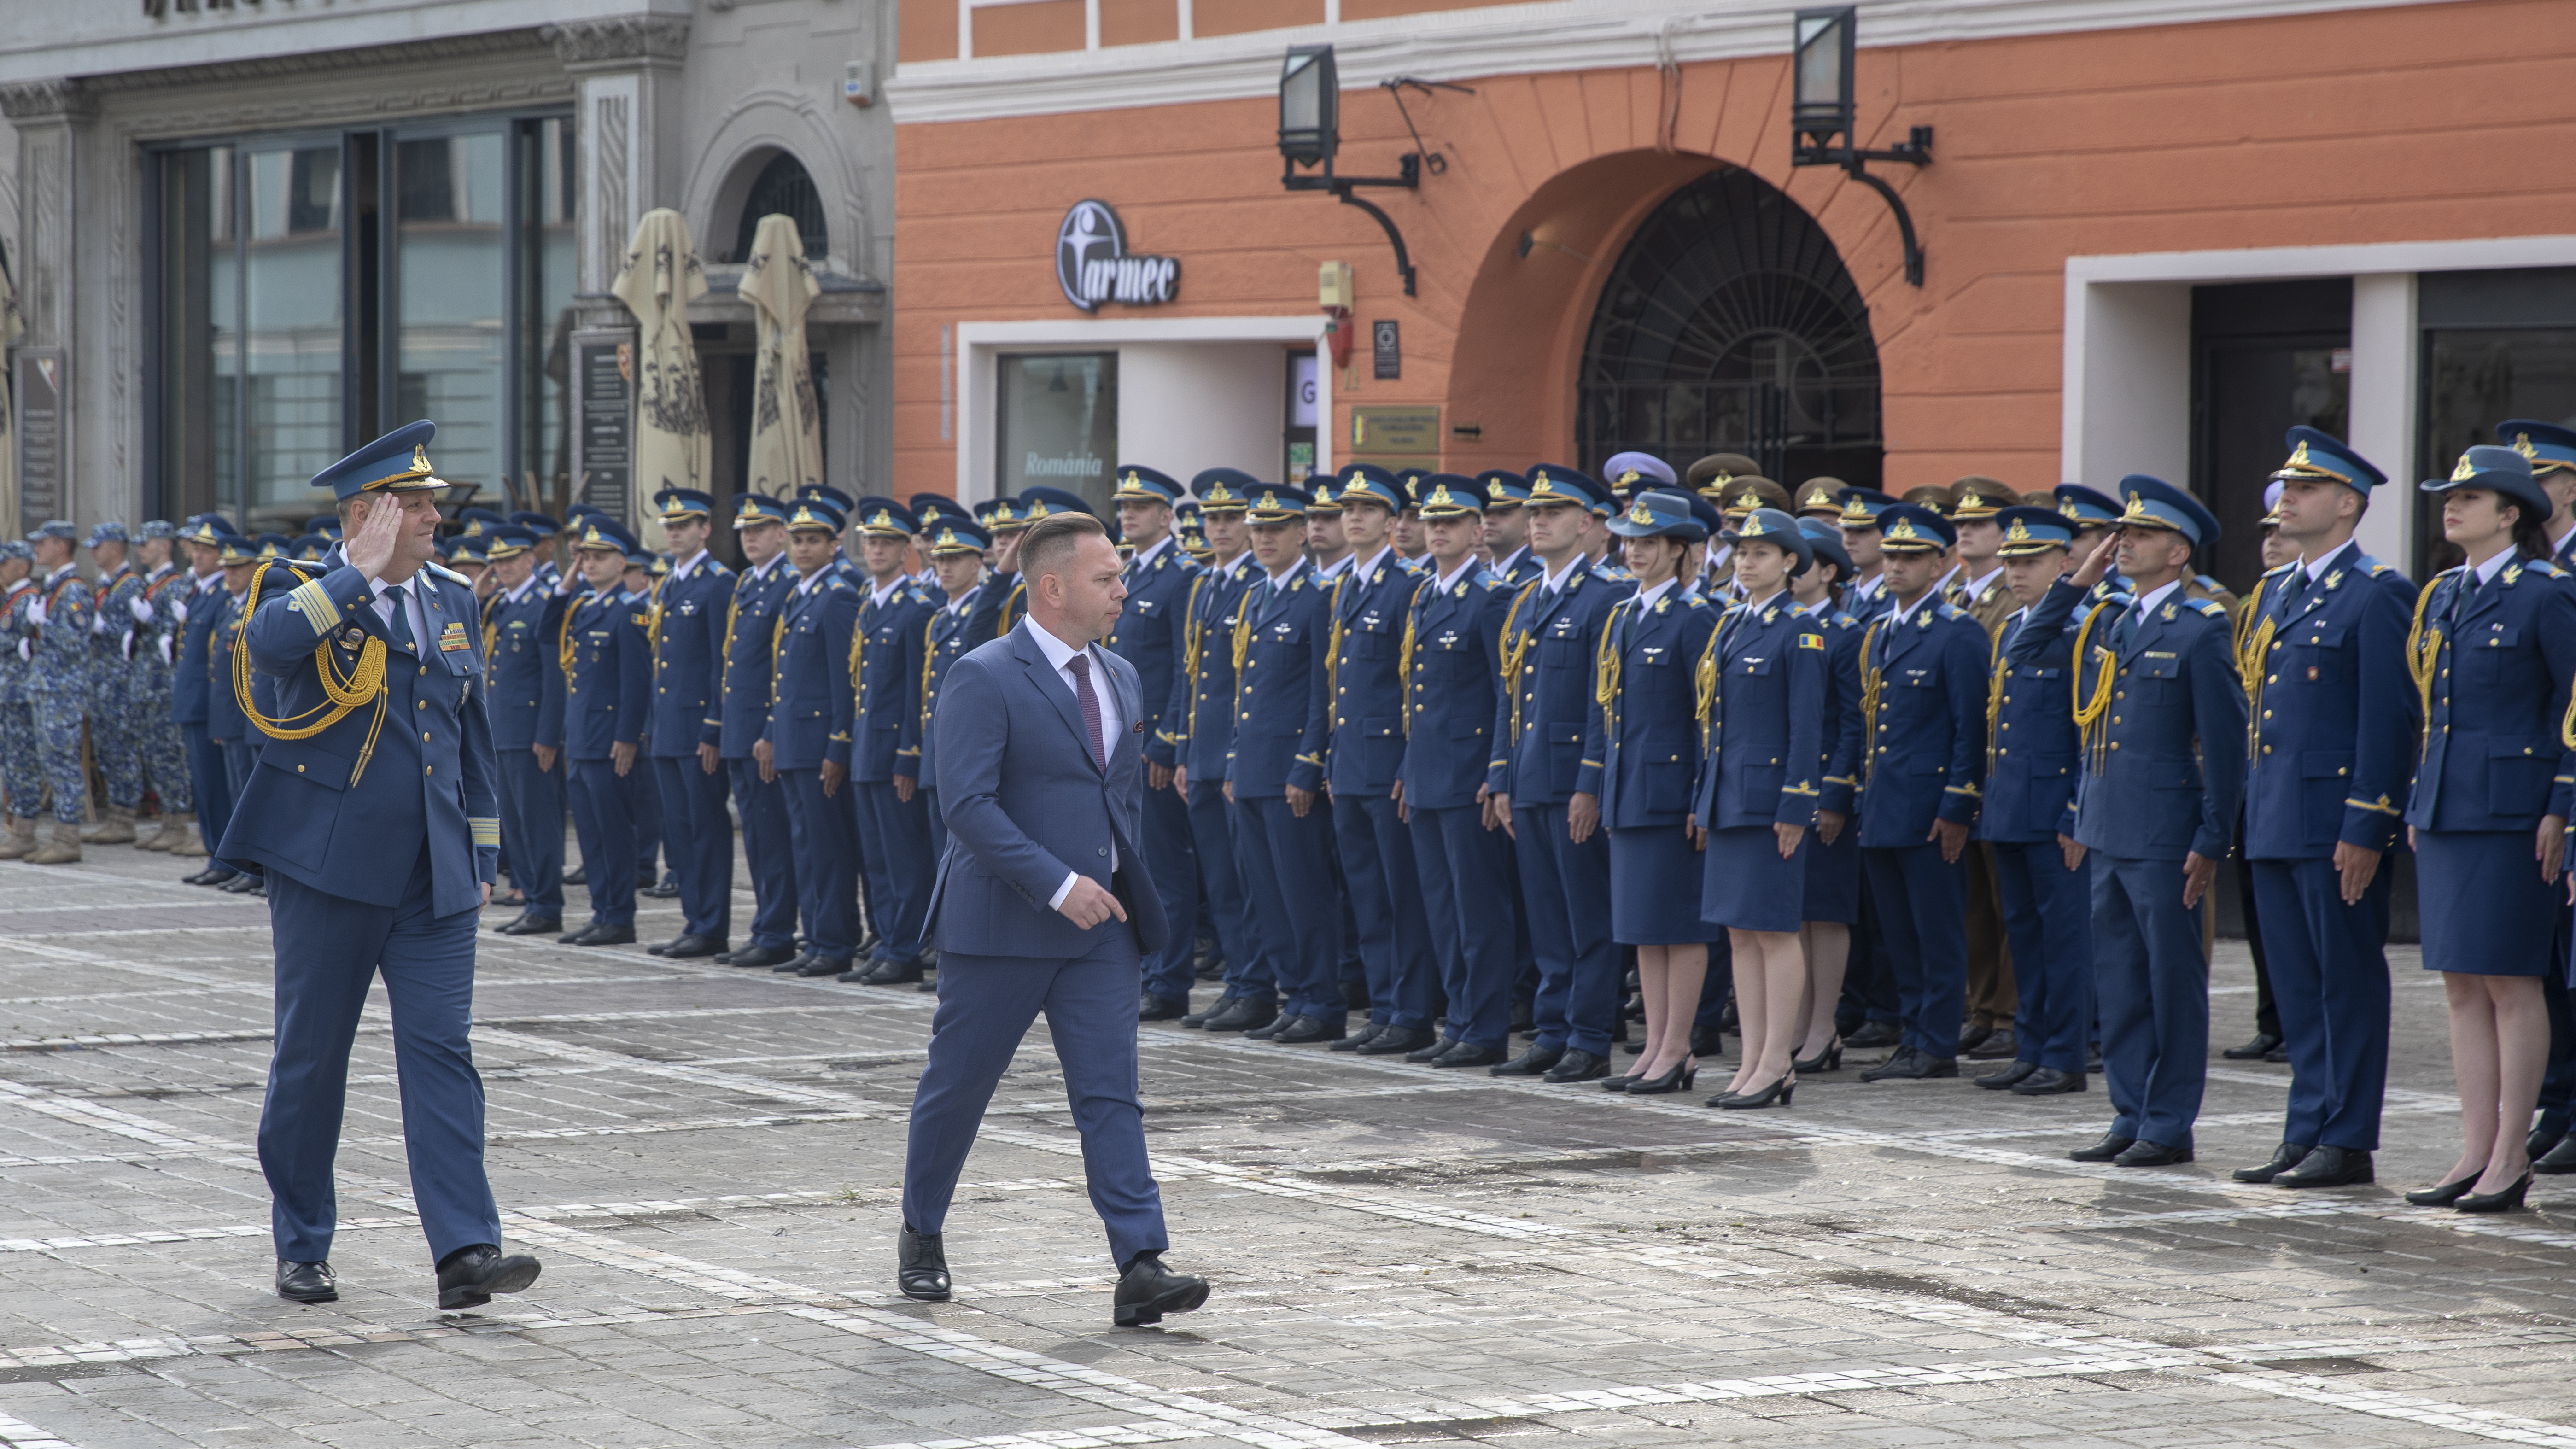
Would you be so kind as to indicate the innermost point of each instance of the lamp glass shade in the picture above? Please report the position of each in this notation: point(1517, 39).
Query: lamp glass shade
point(1822, 94)
point(1309, 98)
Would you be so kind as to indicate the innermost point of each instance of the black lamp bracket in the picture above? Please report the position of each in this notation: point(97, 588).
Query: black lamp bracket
point(1916, 151)
point(1408, 174)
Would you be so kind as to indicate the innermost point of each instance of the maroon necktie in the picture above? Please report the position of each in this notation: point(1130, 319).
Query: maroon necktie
point(1080, 664)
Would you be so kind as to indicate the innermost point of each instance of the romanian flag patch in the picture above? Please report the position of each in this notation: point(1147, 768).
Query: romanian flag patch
point(1811, 641)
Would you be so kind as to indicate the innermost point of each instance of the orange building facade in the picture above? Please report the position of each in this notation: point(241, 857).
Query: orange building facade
point(2157, 232)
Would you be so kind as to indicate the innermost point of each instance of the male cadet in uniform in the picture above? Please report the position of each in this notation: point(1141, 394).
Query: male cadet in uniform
point(967, 609)
point(19, 772)
point(523, 684)
point(1249, 997)
point(226, 719)
point(1364, 754)
point(1275, 771)
point(1710, 478)
point(2032, 759)
point(1150, 633)
point(2332, 707)
point(1539, 778)
point(607, 665)
point(58, 684)
point(1923, 690)
point(1980, 593)
point(742, 716)
point(543, 528)
point(377, 825)
point(808, 744)
point(687, 632)
point(2164, 773)
point(156, 730)
point(1505, 529)
point(111, 703)
point(1866, 599)
point(2552, 451)
point(200, 608)
point(886, 667)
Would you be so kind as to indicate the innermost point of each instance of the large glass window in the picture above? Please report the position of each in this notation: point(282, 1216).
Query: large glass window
point(1059, 424)
point(2497, 345)
point(451, 280)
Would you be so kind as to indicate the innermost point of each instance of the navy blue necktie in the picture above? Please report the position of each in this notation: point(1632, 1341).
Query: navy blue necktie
point(402, 622)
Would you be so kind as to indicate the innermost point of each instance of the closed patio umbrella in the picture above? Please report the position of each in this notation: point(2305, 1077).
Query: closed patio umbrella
point(786, 432)
point(661, 276)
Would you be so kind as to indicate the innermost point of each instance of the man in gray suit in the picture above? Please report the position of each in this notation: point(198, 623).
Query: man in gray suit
point(1042, 904)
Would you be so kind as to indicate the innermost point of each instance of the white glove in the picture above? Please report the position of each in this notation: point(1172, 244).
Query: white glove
point(36, 610)
point(98, 624)
point(165, 649)
point(142, 608)
point(125, 646)
point(181, 609)
point(26, 649)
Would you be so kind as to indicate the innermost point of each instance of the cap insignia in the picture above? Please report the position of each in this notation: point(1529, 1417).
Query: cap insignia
point(2465, 471)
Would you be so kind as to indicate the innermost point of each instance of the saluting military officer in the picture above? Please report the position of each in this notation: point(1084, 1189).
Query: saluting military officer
point(156, 730)
point(968, 606)
point(1151, 633)
point(687, 631)
point(192, 687)
point(1248, 998)
point(2332, 714)
point(607, 665)
point(812, 707)
point(113, 743)
point(58, 682)
point(20, 773)
point(1979, 591)
point(894, 822)
point(2161, 705)
point(742, 712)
point(524, 685)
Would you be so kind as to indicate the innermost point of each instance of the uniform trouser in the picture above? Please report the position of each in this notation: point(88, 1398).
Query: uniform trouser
point(1567, 887)
point(165, 757)
point(1394, 940)
point(1212, 824)
point(239, 760)
point(603, 819)
point(648, 830)
point(1287, 868)
point(1466, 873)
point(2153, 983)
point(985, 1006)
point(1991, 997)
point(1348, 968)
point(2330, 973)
point(213, 784)
point(865, 923)
point(329, 948)
point(827, 867)
point(532, 828)
point(58, 747)
point(1869, 982)
point(114, 737)
point(1172, 858)
point(2048, 913)
point(20, 765)
point(898, 863)
point(1922, 903)
point(2267, 1011)
point(2558, 1084)
point(768, 852)
point(699, 841)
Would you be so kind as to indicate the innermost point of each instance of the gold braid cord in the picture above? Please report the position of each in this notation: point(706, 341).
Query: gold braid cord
point(927, 648)
point(1404, 656)
point(2423, 652)
point(2567, 725)
point(2089, 712)
point(1513, 654)
point(1996, 676)
point(777, 642)
point(341, 694)
point(2253, 659)
point(1193, 639)
point(1333, 647)
point(1704, 685)
point(1872, 678)
point(1605, 656)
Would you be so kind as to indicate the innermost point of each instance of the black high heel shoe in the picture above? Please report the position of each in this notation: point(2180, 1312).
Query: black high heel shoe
point(1679, 1079)
point(2507, 1201)
point(1620, 1084)
point(1828, 1060)
point(1779, 1091)
point(2445, 1195)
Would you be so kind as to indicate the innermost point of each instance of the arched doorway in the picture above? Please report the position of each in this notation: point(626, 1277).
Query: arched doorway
point(785, 187)
point(1730, 326)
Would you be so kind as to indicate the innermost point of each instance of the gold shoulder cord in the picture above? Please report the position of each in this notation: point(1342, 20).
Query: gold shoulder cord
point(1333, 646)
point(1996, 674)
point(777, 642)
point(1872, 677)
point(2423, 650)
point(1404, 656)
point(928, 650)
point(2567, 725)
point(1513, 654)
point(491, 633)
point(2089, 712)
point(2253, 659)
point(341, 694)
point(1193, 639)
point(1704, 685)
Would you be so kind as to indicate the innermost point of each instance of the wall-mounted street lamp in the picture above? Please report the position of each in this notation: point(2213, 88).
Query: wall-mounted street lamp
point(1821, 116)
point(1310, 102)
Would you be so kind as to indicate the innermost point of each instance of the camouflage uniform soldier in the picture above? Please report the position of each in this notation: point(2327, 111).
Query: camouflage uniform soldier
point(112, 725)
point(18, 771)
point(58, 683)
point(159, 613)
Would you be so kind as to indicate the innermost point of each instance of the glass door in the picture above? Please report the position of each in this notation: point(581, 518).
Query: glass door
point(451, 283)
point(285, 378)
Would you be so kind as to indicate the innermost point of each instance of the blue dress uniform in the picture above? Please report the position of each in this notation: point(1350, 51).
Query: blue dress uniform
point(1762, 678)
point(1282, 632)
point(1152, 634)
point(1364, 756)
point(2163, 776)
point(2551, 448)
point(164, 754)
point(377, 827)
point(1923, 687)
point(226, 720)
point(2033, 757)
point(1503, 491)
point(202, 605)
point(607, 666)
point(1450, 658)
point(688, 636)
point(1549, 644)
point(524, 684)
point(742, 716)
point(895, 833)
point(2332, 715)
point(1248, 998)
point(960, 624)
point(812, 707)
point(58, 681)
point(2493, 651)
point(1833, 868)
point(19, 771)
point(1644, 729)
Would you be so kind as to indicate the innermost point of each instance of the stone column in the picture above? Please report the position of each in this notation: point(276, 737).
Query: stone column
point(629, 128)
point(56, 122)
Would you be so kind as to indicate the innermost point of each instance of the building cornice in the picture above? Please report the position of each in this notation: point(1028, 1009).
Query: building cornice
point(58, 98)
point(619, 40)
point(490, 45)
point(1557, 36)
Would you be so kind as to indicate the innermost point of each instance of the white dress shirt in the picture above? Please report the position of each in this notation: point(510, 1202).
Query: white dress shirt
point(383, 603)
point(1060, 655)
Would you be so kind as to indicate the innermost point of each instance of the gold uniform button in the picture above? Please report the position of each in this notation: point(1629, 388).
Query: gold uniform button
point(420, 704)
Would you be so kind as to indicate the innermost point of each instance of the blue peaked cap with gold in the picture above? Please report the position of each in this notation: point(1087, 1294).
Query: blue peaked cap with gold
point(1223, 490)
point(2504, 471)
point(1770, 525)
point(2155, 503)
point(886, 518)
point(479, 523)
point(1140, 484)
point(758, 508)
point(680, 504)
point(599, 531)
point(2321, 457)
point(1913, 528)
point(955, 535)
point(813, 513)
point(2551, 447)
point(1448, 495)
point(398, 462)
point(1042, 500)
point(1279, 502)
point(1367, 480)
point(1551, 484)
point(1659, 513)
point(2086, 508)
point(1503, 488)
point(2030, 531)
point(1826, 542)
point(1629, 472)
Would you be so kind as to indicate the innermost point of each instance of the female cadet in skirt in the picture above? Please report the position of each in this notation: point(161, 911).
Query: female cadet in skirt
point(2493, 650)
point(1762, 709)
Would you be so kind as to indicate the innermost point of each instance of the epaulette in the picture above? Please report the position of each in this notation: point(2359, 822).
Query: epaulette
point(1609, 574)
point(2377, 568)
point(2544, 568)
point(719, 566)
point(1845, 621)
point(2206, 582)
point(1694, 601)
point(921, 595)
point(1953, 611)
point(835, 581)
point(1491, 581)
point(2210, 607)
point(449, 574)
point(2274, 573)
point(1409, 565)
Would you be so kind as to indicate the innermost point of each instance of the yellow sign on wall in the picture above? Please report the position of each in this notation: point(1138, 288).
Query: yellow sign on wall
point(1379, 432)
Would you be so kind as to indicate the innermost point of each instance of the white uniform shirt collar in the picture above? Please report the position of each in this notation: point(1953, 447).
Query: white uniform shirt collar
point(1146, 555)
point(807, 583)
point(1445, 582)
point(1235, 563)
point(776, 562)
point(1333, 570)
point(1368, 566)
point(2332, 559)
point(1646, 597)
point(2149, 601)
point(1555, 582)
point(2504, 559)
point(878, 596)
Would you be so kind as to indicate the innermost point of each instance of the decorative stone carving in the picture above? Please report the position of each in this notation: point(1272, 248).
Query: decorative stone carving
point(57, 98)
point(322, 62)
point(620, 38)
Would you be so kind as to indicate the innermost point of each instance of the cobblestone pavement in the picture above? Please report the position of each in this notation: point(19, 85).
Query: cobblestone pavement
point(708, 1161)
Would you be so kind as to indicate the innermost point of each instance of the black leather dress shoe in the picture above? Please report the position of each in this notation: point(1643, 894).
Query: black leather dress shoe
point(892, 973)
point(1198, 1020)
point(1243, 1013)
point(2253, 1050)
point(2111, 1146)
point(1910, 1065)
point(211, 875)
point(2328, 1167)
point(1460, 1054)
point(762, 956)
point(2279, 1055)
point(2005, 1079)
point(1273, 1027)
point(605, 935)
point(514, 898)
point(2537, 1142)
point(920, 1266)
point(1524, 1014)
point(243, 884)
point(307, 1282)
point(1308, 1030)
point(822, 966)
point(1873, 1034)
point(2559, 1159)
point(1577, 1066)
point(2284, 1157)
point(2049, 1082)
point(1397, 1041)
point(2143, 1153)
point(1431, 1050)
point(1971, 1037)
point(1150, 1007)
point(1538, 1061)
point(667, 889)
point(792, 965)
point(578, 875)
point(1361, 1035)
point(529, 923)
point(1148, 1290)
point(690, 947)
point(1707, 1041)
point(470, 1276)
point(1998, 1046)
